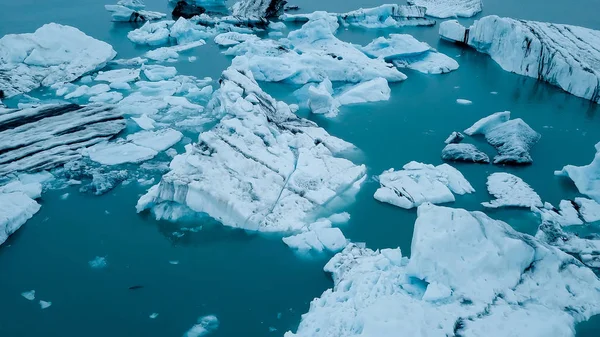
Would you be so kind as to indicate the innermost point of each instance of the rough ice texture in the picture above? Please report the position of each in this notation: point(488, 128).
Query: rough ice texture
point(468, 275)
point(562, 55)
point(260, 168)
point(510, 190)
point(567, 215)
point(464, 152)
point(512, 138)
point(404, 51)
point(374, 90)
point(449, 8)
point(204, 326)
point(321, 101)
point(132, 11)
point(586, 178)
point(257, 10)
point(311, 54)
point(318, 237)
point(589, 209)
point(17, 205)
point(418, 183)
point(454, 138)
point(53, 53)
point(48, 136)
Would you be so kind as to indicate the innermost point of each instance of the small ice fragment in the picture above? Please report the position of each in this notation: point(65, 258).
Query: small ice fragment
point(98, 263)
point(272, 329)
point(494, 92)
point(339, 218)
point(463, 101)
point(153, 315)
point(106, 212)
point(178, 234)
point(278, 315)
point(29, 295)
point(174, 262)
point(203, 327)
point(192, 58)
point(64, 196)
point(44, 304)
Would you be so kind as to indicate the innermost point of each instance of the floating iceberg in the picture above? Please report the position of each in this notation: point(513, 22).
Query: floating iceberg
point(566, 216)
point(257, 10)
point(562, 55)
point(464, 152)
point(118, 75)
point(404, 51)
point(449, 8)
point(232, 38)
point(157, 73)
point(17, 205)
point(512, 138)
point(321, 101)
point(374, 90)
point(48, 136)
point(204, 326)
point(187, 10)
point(588, 209)
point(52, 54)
point(318, 237)
point(260, 168)
point(510, 190)
point(586, 178)
point(132, 11)
point(467, 275)
point(418, 183)
point(454, 138)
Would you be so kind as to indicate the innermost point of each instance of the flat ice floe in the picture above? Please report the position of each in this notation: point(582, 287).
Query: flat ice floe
point(418, 183)
point(404, 51)
point(510, 190)
point(562, 55)
point(467, 275)
point(449, 8)
point(260, 168)
point(586, 178)
point(132, 11)
point(464, 152)
point(48, 136)
point(512, 138)
point(17, 205)
point(53, 53)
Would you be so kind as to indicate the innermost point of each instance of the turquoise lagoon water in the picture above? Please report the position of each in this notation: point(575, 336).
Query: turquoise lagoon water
point(254, 283)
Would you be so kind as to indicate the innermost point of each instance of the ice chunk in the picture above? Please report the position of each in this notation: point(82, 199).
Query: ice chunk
point(339, 218)
point(482, 126)
point(45, 304)
point(387, 16)
point(321, 101)
point(257, 10)
point(98, 262)
point(172, 53)
point(16, 208)
point(52, 54)
point(29, 295)
point(562, 55)
point(586, 178)
point(454, 138)
point(120, 152)
point(370, 91)
point(119, 75)
point(232, 38)
point(449, 8)
point(157, 73)
point(464, 152)
point(107, 97)
point(159, 140)
point(48, 136)
point(144, 122)
point(566, 216)
point(152, 34)
point(418, 183)
point(203, 327)
point(462, 101)
point(122, 12)
point(510, 190)
point(319, 239)
point(31, 189)
point(589, 209)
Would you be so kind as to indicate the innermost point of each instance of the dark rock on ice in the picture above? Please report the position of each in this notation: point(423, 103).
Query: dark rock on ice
point(186, 10)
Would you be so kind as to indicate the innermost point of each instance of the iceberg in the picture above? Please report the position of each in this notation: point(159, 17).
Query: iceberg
point(454, 138)
point(418, 183)
point(512, 138)
point(404, 51)
point(568, 214)
point(257, 10)
point(510, 190)
point(321, 101)
point(464, 152)
point(588, 209)
point(586, 178)
point(132, 11)
point(52, 54)
point(48, 136)
point(118, 76)
point(157, 73)
point(563, 55)
point(318, 237)
point(232, 38)
point(204, 326)
point(467, 275)
point(449, 8)
point(17, 205)
point(260, 168)
point(374, 90)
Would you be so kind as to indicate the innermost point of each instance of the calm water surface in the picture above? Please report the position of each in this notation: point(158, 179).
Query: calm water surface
point(254, 283)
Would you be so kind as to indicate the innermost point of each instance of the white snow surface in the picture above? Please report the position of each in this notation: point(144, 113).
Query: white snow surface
point(418, 183)
point(132, 11)
point(510, 191)
point(449, 8)
point(589, 209)
point(52, 54)
point(17, 205)
point(586, 178)
point(468, 274)
point(118, 75)
point(369, 91)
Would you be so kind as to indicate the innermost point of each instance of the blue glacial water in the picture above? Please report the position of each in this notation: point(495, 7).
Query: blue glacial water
point(254, 282)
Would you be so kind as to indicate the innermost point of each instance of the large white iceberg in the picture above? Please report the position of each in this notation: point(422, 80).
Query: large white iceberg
point(449, 8)
point(510, 190)
point(260, 168)
point(53, 53)
point(562, 55)
point(418, 183)
point(17, 205)
point(586, 178)
point(468, 275)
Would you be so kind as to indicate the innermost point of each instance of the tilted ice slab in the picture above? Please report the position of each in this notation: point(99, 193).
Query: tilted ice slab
point(172, 53)
point(53, 53)
point(586, 178)
point(17, 205)
point(572, 212)
point(449, 8)
point(132, 11)
point(257, 10)
point(464, 152)
point(48, 136)
point(310, 54)
point(384, 16)
point(418, 183)
point(510, 190)
point(404, 51)
point(512, 138)
point(260, 168)
point(468, 275)
point(562, 55)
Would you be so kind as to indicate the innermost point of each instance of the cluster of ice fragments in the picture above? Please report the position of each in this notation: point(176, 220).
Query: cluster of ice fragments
point(418, 183)
point(52, 54)
point(468, 275)
point(275, 170)
point(132, 11)
point(562, 55)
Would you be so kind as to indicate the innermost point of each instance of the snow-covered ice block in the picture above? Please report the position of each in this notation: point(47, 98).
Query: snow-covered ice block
point(417, 183)
point(48, 136)
point(15, 209)
point(454, 138)
point(320, 239)
point(467, 275)
point(159, 140)
point(118, 75)
point(172, 53)
point(510, 190)
point(152, 33)
point(127, 11)
point(482, 126)
point(120, 152)
point(144, 122)
point(107, 97)
point(369, 91)
point(449, 8)
point(204, 326)
point(52, 54)
point(589, 209)
point(463, 101)
point(464, 152)
point(257, 10)
point(321, 101)
point(274, 170)
point(157, 73)
point(586, 178)
point(562, 55)
point(387, 16)
point(568, 215)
